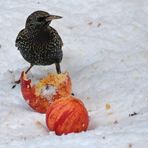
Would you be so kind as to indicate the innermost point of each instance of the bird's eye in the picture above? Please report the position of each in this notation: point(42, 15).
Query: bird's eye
point(40, 19)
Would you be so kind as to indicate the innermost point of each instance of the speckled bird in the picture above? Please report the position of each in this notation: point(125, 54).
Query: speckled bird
point(39, 43)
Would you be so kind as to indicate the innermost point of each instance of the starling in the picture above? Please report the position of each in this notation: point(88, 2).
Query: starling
point(39, 43)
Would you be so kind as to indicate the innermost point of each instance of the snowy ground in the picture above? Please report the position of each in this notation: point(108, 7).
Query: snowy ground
point(106, 53)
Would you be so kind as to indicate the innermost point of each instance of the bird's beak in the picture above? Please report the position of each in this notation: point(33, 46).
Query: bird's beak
point(53, 17)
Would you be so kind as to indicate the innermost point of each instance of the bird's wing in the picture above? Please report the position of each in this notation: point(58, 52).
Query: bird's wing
point(20, 37)
point(56, 35)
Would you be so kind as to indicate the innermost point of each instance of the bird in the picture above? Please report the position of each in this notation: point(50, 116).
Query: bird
point(38, 42)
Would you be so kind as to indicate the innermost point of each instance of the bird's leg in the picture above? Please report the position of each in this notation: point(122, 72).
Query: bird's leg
point(18, 81)
point(58, 68)
point(28, 68)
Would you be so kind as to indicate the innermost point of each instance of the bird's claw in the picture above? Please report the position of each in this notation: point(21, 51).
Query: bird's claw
point(16, 82)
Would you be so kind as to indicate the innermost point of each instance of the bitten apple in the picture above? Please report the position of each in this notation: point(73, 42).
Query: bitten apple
point(50, 88)
point(67, 115)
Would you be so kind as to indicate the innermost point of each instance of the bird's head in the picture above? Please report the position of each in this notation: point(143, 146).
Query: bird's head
point(40, 20)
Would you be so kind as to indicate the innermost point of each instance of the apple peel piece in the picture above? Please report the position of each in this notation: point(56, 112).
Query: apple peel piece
point(47, 90)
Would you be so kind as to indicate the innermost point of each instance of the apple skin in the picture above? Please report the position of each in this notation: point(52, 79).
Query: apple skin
point(67, 115)
point(38, 102)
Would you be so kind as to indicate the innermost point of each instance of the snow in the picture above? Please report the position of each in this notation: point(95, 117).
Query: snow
point(106, 54)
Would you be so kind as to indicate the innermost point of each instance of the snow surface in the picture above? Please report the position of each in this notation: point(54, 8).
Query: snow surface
point(106, 53)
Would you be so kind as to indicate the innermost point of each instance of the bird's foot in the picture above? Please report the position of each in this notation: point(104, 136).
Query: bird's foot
point(16, 82)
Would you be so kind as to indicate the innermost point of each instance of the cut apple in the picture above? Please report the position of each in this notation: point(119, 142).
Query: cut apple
point(47, 90)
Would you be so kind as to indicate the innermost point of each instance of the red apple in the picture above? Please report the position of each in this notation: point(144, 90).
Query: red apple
point(67, 115)
point(50, 88)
